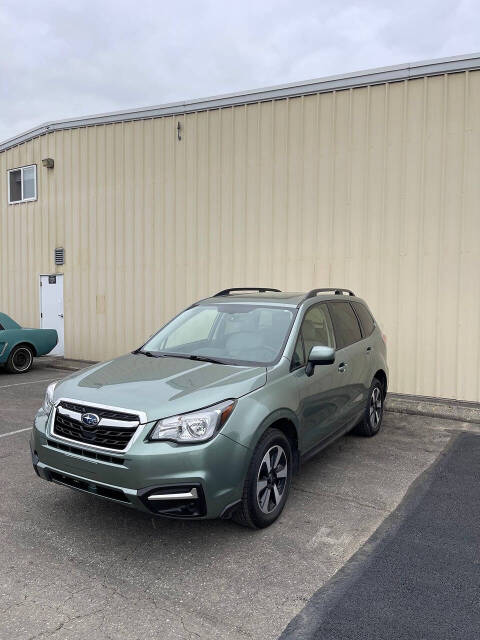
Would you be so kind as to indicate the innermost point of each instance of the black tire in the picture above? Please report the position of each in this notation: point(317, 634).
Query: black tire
point(20, 359)
point(371, 422)
point(277, 481)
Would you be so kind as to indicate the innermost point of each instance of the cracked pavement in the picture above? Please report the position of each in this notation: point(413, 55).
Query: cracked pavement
point(73, 566)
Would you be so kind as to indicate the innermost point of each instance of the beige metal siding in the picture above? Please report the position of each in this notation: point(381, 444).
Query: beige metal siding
point(376, 189)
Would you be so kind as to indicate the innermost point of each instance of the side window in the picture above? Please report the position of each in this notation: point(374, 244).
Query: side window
point(298, 358)
point(365, 317)
point(347, 329)
point(317, 328)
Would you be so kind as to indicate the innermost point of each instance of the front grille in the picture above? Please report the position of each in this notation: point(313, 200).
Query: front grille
point(106, 436)
point(101, 413)
point(87, 453)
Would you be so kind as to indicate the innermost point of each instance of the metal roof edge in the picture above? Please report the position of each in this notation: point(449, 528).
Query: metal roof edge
point(380, 75)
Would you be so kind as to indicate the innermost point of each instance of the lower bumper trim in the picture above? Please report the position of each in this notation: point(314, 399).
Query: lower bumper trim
point(189, 495)
point(89, 487)
point(175, 501)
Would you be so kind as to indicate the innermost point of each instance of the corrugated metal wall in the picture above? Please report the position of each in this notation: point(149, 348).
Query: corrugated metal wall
point(376, 189)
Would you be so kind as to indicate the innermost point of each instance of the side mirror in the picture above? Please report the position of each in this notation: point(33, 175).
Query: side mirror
point(319, 355)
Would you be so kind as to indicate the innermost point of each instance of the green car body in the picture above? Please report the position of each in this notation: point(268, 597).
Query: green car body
point(310, 407)
point(18, 345)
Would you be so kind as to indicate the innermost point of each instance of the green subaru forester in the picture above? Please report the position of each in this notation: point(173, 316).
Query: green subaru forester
point(214, 413)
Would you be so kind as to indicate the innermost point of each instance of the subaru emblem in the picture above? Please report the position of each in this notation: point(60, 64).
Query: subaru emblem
point(90, 419)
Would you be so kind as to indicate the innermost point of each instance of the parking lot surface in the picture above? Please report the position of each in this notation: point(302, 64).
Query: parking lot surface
point(417, 576)
point(75, 566)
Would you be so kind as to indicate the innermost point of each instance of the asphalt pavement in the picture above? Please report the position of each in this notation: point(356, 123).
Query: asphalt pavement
point(418, 576)
point(75, 566)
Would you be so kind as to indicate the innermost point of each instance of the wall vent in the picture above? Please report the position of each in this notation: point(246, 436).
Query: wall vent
point(59, 255)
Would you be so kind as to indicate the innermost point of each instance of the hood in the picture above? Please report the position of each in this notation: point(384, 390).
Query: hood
point(160, 387)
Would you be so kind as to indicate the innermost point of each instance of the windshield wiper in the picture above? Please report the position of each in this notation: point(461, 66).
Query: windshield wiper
point(186, 356)
point(167, 354)
point(150, 354)
point(207, 359)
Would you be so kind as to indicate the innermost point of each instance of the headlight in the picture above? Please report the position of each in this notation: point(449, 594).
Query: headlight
point(48, 400)
point(197, 426)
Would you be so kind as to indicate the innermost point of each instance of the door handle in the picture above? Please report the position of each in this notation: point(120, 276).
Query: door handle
point(342, 367)
point(369, 350)
point(60, 315)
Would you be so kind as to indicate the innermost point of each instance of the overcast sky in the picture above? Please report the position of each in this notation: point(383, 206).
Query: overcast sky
point(66, 58)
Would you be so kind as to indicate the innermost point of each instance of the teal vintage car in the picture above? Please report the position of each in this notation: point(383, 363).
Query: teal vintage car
point(18, 345)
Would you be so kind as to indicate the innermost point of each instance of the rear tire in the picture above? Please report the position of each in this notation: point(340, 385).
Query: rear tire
point(20, 359)
point(373, 415)
point(267, 483)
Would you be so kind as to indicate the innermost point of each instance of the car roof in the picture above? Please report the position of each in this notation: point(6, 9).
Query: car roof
point(7, 322)
point(280, 298)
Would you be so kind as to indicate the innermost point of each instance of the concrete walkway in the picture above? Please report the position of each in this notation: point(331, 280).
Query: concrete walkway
point(59, 362)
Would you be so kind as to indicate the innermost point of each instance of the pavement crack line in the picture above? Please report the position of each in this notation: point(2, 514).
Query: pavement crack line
point(14, 604)
point(191, 633)
point(60, 626)
point(339, 497)
point(71, 595)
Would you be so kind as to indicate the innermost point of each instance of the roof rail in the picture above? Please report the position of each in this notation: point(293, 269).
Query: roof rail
point(227, 292)
point(339, 291)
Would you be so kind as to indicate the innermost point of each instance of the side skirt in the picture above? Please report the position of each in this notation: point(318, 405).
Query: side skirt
point(327, 441)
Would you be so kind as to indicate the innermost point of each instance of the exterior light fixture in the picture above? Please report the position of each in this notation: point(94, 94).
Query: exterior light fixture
point(48, 163)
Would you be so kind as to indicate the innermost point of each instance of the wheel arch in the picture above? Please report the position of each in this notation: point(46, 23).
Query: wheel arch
point(24, 343)
point(382, 376)
point(285, 421)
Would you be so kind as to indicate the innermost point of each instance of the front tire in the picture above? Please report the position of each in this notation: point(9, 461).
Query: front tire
point(20, 359)
point(373, 416)
point(267, 483)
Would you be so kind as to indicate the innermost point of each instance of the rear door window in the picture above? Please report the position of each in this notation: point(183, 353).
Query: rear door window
point(365, 317)
point(345, 323)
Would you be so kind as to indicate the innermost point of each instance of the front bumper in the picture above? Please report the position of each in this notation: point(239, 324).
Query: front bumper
point(201, 481)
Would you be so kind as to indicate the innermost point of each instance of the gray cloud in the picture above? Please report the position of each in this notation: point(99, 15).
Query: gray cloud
point(65, 59)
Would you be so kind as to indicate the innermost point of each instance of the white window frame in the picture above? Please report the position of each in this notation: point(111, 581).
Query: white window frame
point(28, 166)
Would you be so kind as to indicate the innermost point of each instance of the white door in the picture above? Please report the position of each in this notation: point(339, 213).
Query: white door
point(51, 308)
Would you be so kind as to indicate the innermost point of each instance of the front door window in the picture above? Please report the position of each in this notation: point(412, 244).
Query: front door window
point(317, 328)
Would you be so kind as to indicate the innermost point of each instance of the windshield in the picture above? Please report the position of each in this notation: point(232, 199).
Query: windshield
point(232, 333)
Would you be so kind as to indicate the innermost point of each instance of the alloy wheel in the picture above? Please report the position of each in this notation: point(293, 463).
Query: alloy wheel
point(375, 409)
point(272, 479)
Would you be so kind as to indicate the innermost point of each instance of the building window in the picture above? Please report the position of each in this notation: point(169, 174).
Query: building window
point(22, 184)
